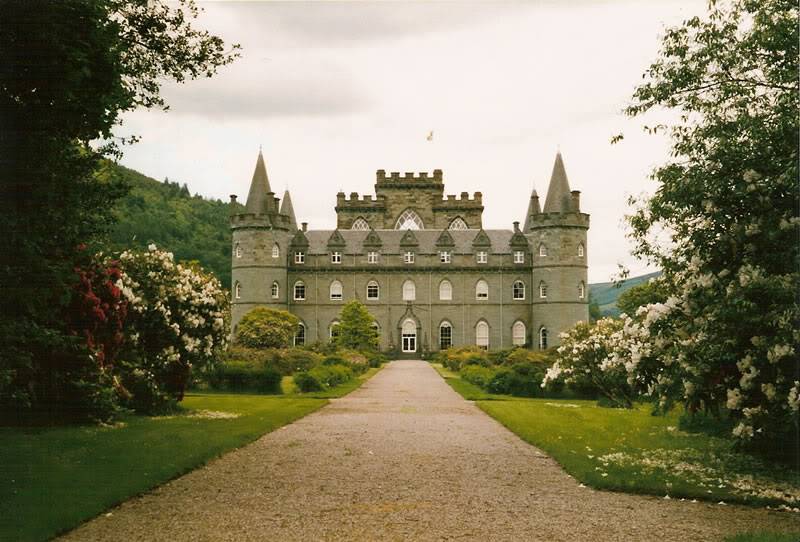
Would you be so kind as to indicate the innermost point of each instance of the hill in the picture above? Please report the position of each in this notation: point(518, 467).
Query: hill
point(165, 213)
point(605, 294)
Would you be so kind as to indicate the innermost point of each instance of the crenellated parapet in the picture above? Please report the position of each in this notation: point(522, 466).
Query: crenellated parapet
point(395, 178)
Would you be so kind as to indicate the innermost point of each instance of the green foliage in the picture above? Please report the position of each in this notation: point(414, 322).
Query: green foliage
point(355, 328)
point(521, 380)
point(263, 327)
point(323, 377)
point(457, 357)
point(640, 295)
point(244, 376)
point(478, 375)
point(764, 536)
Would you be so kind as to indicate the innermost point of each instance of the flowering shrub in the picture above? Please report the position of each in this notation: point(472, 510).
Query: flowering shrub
point(177, 321)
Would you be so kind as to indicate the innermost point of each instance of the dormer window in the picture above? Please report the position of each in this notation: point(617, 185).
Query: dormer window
point(408, 257)
point(482, 256)
point(372, 257)
point(299, 257)
point(336, 257)
point(444, 256)
point(519, 256)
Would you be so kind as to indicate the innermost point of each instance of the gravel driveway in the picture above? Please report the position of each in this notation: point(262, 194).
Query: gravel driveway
point(405, 458)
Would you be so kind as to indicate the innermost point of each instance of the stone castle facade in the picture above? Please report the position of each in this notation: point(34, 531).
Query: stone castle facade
point(420, 261)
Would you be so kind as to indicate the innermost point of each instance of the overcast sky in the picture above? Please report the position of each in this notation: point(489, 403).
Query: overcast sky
point(335, 91)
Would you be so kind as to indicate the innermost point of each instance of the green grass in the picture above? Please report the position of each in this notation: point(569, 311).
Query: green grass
point(764, 537)
point(52, 479)
point(633, 451)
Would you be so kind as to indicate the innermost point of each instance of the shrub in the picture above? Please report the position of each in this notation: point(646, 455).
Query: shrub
point(294, 360)
point(521, 380)
point(246, 376)
point(478, 375)
point(307, 382)
point(266, 328)
point(323, 377)
point(355, 328)
point(456, 358)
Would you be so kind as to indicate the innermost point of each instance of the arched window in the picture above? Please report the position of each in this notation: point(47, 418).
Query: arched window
point(445, 290)
point(409, 220)
point(581, 250)
point(482, 290)
point(482, 335)
point(237, 290)
point(333, 330)
point(543, 338)
point(518, 334)
point(360, 224)
point(458, 224)
point(373, 290)
point(336, 290)
point(299, 291)
point(543, 290)
point(445, 335)
point(276, 290)
point(238, 250)
point(409, 291)
point(518, 290)
point(542, 249)
point(276, 251)
point(581, 290)
point(300, 335)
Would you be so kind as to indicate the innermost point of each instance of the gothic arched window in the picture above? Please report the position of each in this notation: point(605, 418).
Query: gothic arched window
point(409, 220)
point(276, 251)
point(581, 290)
point(237, 291)
point(445, 335)
point(336, 291)
point(300, 335)
point(482, 335)
point(360, 224)
point(581, 250)
point(275, 290)
point(409, 291)
point(458, 224)
point(482, 290)
point(518, 333)
point(445, 290)
point(543, 338)
point(518, 290)
point(542, 249)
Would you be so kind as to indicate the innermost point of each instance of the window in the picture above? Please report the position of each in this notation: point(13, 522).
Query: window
point(482, 257)
point(336, 290)
point(237, 291)
point(333, 330)
point(409, 291)
point(336, 257)
point(444, 257)
point(276, 290)
point(482, 335)
point(581, 250)
point(445, 335)
point(276, 251)
point(300, 336)
point(408, 257)
point(299, 291)
point(518, 290)
point(519, 256)
point(360, 224)
point(445, 290)
point(518, 334)
point(458, 224)
point(581, 290)
point(409, 220)
point(372, 257)
point(299, 257)
point(543, 338)
point(238, 250)
point(542, 290)
point(373, 290)
point(542, 250)
point(482, 290)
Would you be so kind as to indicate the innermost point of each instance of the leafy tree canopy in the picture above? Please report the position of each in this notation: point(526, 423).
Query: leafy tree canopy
point(640, 295)
point(355, 328)
point(266, 328)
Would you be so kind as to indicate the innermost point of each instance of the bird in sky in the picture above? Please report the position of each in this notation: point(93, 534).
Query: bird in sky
point(430, 136)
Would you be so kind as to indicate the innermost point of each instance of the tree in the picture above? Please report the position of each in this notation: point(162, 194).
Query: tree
point(68, 70)
point(356, 329)
point(727, 337)
point(640, 295)
point(267, 328)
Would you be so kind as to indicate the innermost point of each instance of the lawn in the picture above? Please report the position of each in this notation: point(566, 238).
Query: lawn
point(636, 452)
point(52, 479)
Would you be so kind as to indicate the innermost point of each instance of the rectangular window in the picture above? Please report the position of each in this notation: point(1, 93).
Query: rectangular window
point(299, 292)
point(372, 257)
point(336, 257)
point(299, 257)
point(373, 291)
point(519, 256)
point(444, 257)
point(445, 337)
point(408, 257)
point(482, 256)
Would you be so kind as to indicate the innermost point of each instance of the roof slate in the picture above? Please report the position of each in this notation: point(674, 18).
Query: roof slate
point(354, 239)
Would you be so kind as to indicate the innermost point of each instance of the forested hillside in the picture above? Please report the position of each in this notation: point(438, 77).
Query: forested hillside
point(605, 294)
point(165, 213)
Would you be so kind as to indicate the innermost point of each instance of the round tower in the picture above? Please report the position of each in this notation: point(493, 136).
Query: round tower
point(557, 236)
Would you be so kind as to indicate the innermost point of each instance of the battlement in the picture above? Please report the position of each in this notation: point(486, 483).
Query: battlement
point(464, 197)
point(357, 200)
point(408, 177)
point(549, 220)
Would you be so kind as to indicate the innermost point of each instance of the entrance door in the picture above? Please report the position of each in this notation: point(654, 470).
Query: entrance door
point(409, 335)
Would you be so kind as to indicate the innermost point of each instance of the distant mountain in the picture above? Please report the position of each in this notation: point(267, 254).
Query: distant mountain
point(165, 213)
point(605, 294)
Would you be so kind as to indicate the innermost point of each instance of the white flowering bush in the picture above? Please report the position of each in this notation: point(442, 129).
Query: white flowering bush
point(177, 322)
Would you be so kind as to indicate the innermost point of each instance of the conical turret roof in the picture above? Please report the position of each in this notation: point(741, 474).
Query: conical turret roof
point(558, 193)
point(259, 196)
point(287, 209)
point(533, 209)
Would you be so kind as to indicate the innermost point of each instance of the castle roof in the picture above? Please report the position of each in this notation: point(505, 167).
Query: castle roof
point(287, 209)
point(426, 239)
point(260, 191)
point(558, 193)
point(533, 209)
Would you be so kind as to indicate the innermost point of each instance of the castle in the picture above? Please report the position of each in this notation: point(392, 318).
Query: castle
point(420, 261)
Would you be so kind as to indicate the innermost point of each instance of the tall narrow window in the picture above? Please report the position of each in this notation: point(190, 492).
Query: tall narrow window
point(299, 291)
point(444, 256)
point(336, 257)
point(300, 335)
point(408, 257)
point(518, 290)
point(542, 290)
point(409, 291)
point(482, 256)
point(336, 290)
point(581, 250)
point(445, 335)
point(518, 334)
point(542, 250)
point(276, 290)
point(543, 338)
point(333, 330)
point(373, 290)
point(581, 290)
point(276, 251)
point(482, 335)
point(445, 291)
point(237, 291)
point(482, 290)
point(299, 257)
point(360, 224)
point(238, 250)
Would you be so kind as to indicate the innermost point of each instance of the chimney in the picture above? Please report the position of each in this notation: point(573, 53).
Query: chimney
point(233, 199)
point(516, 226)
point(576, 200)
point(305, 226)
